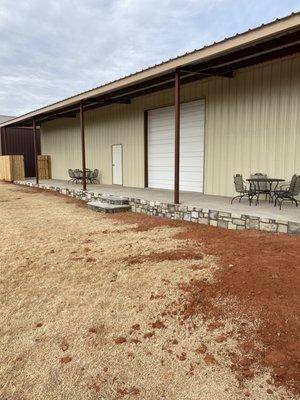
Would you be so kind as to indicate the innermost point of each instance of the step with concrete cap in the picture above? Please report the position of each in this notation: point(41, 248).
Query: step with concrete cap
point(110, 199)
point(107, 207)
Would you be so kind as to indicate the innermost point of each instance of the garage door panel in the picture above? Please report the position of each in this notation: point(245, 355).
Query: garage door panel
point(161, 132)
point(162, 163)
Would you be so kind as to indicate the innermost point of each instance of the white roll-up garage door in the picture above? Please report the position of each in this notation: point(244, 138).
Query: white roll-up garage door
point(161, 132)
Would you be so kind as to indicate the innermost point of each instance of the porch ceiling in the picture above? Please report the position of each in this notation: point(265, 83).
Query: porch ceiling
point(277, 39)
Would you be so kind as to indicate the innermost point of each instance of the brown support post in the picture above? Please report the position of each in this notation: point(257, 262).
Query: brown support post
point(177, 137)
point(82, 146)
point(146, 148)
point(35, 149)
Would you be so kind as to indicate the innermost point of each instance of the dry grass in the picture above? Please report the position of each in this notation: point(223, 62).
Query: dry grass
point(80, 321)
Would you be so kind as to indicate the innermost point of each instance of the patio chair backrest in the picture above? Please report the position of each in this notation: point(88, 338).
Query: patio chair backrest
point(260, 185)
point(77, 173)
point(239, 183)
point(88, 173)
point(71, 173)
point(295, 185)
point(292, 183)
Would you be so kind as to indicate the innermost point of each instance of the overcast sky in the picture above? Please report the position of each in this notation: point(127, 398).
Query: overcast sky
point(53, 49)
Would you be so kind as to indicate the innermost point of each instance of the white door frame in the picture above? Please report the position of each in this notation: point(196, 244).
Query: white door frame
point(112, 163)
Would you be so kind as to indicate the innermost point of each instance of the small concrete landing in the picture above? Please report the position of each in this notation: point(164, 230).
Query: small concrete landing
point(101, 206)
point(116, 200)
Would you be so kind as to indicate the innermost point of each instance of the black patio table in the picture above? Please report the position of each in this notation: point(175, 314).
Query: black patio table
point(79, 174)
point(270, 181)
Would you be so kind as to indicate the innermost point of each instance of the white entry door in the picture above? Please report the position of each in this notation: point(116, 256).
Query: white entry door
point(117, 164)
point(161, 137)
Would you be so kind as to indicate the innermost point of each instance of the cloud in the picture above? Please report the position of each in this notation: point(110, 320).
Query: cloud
point(53, 49)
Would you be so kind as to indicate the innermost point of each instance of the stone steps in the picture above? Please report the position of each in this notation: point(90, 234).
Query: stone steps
point(105, 207)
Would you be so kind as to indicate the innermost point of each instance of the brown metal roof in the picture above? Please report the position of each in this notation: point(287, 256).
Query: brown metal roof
point(276, 39)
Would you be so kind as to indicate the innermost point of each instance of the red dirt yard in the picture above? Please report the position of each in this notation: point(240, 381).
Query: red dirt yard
point(135, 307)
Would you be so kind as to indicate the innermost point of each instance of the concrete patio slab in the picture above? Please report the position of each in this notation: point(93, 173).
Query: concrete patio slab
point(264, 210)
point(194, 207)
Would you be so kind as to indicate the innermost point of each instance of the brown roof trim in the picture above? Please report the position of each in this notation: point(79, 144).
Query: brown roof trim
point(239, 41)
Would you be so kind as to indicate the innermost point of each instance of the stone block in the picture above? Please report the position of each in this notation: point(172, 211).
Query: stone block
point(222, 223)
point(213, 222)
point(269, 227)
point(225, 219)
point(213, 214)
point(223, 214)
point(178, 215)
point(238, 221)
point(195, 214)
point(171, 208)
point(231, 226)
point(294, 227)
point(187, 216)
point(265, 220)
point(182, 208)
point(282, 228)
point(252, 223)
point(282, 222)
point(236, 216)
point(203, 220)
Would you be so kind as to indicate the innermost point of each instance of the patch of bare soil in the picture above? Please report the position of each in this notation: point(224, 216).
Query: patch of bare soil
point(260, 271)
point(134, 307)
point(171, 255)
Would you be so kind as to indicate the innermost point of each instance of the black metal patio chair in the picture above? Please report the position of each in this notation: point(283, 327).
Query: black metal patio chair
point(71, 176)
point(241, 189)
point(93, 178)
point(77, 176)
point(292, 190)
point(261, 188)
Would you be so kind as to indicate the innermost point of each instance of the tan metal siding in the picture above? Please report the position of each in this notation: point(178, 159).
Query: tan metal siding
point(252, 125)
point(61, 140)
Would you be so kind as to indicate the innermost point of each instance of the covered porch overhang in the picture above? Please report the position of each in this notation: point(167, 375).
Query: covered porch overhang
point(272, 41)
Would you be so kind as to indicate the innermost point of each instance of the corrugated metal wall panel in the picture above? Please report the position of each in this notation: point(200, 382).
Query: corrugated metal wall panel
point(252, 125)
point(19, 141)
point(61, 140)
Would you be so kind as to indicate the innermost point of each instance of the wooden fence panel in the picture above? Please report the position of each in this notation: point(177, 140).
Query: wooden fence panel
point(44, 166)
point(12, 168)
